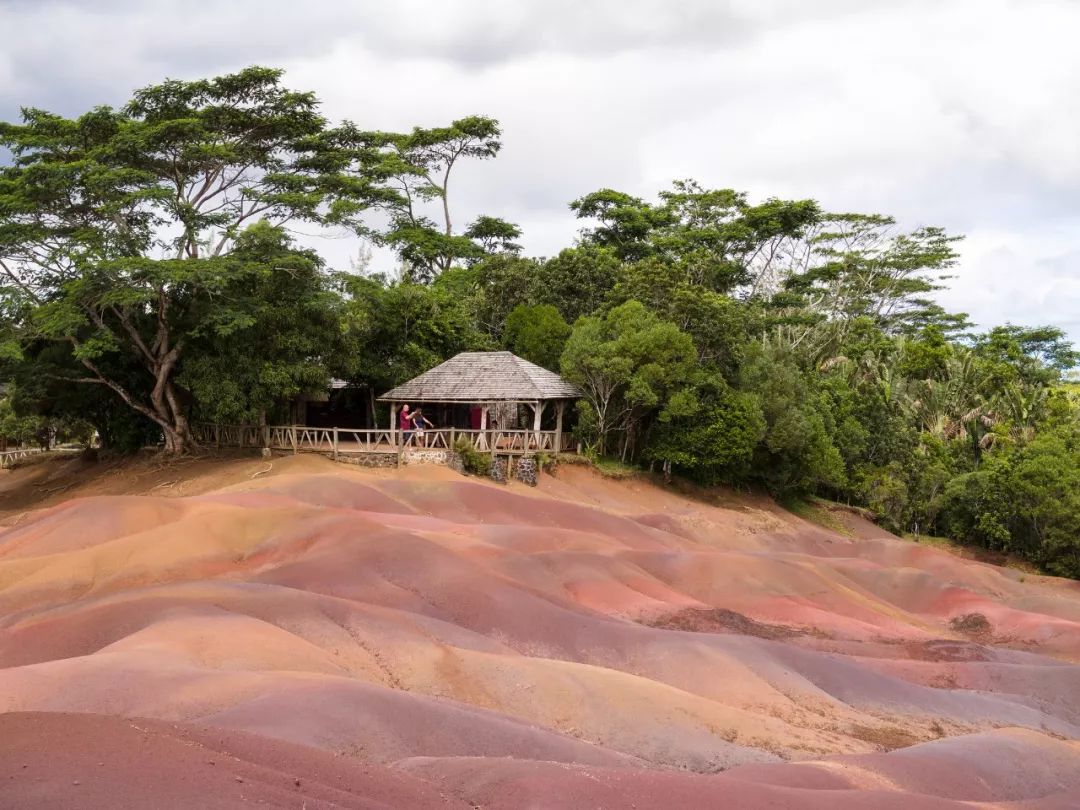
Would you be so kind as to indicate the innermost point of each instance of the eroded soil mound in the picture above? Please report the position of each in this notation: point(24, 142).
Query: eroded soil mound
point(323, 635)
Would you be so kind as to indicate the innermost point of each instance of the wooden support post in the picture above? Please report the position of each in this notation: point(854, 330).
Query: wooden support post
point(335, 444)
point(559, 408)
point(292, 437)
point(451, 445)
point(482, 444)
point(538, 414)
point(393, 424)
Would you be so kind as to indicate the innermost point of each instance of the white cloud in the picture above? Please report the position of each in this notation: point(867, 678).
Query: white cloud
point(961, 113)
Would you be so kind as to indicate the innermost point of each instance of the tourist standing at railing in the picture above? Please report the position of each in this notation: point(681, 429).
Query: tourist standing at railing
point(405, 423)
point(420, 422)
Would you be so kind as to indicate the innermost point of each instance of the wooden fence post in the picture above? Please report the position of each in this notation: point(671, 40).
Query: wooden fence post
point(558, 427)
point(292, 437)
point(335, 444)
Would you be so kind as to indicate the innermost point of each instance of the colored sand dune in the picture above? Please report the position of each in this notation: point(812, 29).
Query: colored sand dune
point(350, 639)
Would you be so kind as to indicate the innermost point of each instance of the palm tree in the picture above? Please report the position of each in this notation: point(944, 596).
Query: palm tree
point(1024, 405)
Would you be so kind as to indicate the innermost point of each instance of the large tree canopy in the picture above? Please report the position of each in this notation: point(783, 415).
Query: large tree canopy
point(117, 228)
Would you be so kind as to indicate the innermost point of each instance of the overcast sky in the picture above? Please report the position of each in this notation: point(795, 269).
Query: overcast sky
point(959, 113)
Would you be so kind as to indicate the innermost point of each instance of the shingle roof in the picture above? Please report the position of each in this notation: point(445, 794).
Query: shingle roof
point(484, 377)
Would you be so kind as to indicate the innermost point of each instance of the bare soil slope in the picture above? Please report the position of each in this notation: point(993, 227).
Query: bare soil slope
point(300, 633)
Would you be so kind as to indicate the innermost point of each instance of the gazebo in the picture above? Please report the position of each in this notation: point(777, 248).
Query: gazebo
point(485, 381)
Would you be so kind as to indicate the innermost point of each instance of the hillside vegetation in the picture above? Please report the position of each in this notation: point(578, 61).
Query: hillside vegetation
point(148, 278)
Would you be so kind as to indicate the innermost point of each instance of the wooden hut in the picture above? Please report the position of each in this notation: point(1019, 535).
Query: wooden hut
point(488, 381)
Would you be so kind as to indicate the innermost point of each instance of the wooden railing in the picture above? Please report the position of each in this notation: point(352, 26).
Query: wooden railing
point(301, 438)
point(9, 457)
point(518, 441)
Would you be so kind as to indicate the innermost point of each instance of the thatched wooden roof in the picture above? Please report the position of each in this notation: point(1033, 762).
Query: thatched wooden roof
point(484, 377)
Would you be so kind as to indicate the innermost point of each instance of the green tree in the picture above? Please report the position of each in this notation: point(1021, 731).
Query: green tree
point(925, 356)
point(288, 340)
point(718, 324)
point(859, 267)
point(796, 452)
point(1025, 355)
point(413, 172)
point(716, 236)
point(713, 439)
point(393, 331)
point(538, 334)
point(577, 281)
point(499, 283)
point(117, 227)
point(630, 365)
point(22, 423)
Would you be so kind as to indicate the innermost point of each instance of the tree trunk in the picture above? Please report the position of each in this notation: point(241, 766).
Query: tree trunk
point(174, 441)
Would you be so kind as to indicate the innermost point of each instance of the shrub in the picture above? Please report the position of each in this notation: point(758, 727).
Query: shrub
point(475, 462)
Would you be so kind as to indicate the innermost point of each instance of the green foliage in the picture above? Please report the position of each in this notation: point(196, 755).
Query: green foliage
point(630, 364)
point(1024, 502)
point(862, 269)
point(18, 428)
point(284, 344)
point(717, 323)
point(796, 452)
point(393, 331)
point(21, 423)
point(576, 282)
point(615, 469)
point(715, 440)
point(408, 177)
point(715, 236)
point(475, 462)
point(117, 227)
point(925, 356)
point(537, 333)
point(497, 284)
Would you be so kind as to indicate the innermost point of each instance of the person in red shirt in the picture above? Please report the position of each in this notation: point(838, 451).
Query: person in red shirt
point(405, 423)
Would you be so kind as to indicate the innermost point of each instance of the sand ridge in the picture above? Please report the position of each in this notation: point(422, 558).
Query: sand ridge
point(498, 646)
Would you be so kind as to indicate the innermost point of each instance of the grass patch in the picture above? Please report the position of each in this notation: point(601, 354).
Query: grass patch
point(610, 468)
point(573, 458)
point(943, 543)
point(817, 511)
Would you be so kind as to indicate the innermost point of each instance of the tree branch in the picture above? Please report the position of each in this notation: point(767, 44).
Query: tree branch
point(21, 284)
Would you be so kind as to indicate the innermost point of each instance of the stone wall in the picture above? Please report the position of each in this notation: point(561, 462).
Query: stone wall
point(526, 470)
point(456, 463)
point(422, 456)
point(369, 459)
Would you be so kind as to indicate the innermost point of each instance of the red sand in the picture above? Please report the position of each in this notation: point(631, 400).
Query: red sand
point(417, 639)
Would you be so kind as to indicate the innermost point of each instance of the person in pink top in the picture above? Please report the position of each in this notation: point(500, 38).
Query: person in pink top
point(405, 423)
